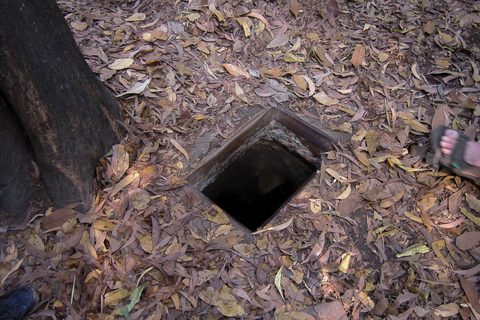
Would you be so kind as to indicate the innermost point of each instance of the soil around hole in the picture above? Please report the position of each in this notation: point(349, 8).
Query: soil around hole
point(253, 187)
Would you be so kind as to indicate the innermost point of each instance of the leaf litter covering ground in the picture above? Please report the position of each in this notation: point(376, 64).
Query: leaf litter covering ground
point(378, 233)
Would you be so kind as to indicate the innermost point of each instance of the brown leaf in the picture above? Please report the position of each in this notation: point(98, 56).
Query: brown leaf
point(330, 310)
point(295, 7)
point(396, 194)
point(447, 310)
point(358, 56)
point(103, 224)
point(362, 157)
point(236, 70)
point(146, 244)
point(79, 25)
point(246, 23)
point(116, 295)
point(320, 53)
point(148, 173)
point(159, 34)
point(473, 202)
point(66, 244)
point(453, 224)
point(272, 73)
point(417, 126)
point(300, 81)
point(429, 27)
point(441, 116)
point(468, 240)
point(382, 56)
point(324, 99)
point(276, 228)
point(241, 294)
point(136, 17)
point(332, 8)
point(316, 250)
point(380, 306)
point(372, 138)
point(426, 221)
point(469, 272)
point(180, 148)
point(261, 18)
point(454, 200)
point(120, 161)
point(120, 64)
point(427, 202)
point(12, 270)
point(279, 41)
point(139, 199)
point(471, 292)
point(215, 214)
point(320, 221)
point(262, 272)
point(73, 238)
point(467, 102)
point(57, 218)
point(295, 315)
point(350, 204)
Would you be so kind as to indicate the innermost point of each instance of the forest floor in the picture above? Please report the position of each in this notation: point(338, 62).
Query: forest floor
point(378, 233)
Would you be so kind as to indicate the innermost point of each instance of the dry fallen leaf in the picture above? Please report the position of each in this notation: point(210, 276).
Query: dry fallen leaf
point(468, 240)
point(136, 17)
point(57, 218)
point(276, 228)
point(216, 215)
point(236, 70)
point(345, 193)
point(382, 56)
point(358, 56)
point(180, 148)
point(412, 250)
point(324, 99)
point(429, 27)
point(295, 7)
point(116, 295)
point(138, 88)
point(471, 292)
point(473, 202)
point(120, 161)
point(146, 244)
point(447, 310)
point(213, 9)
point(139, 199)
point(279, 41)
point(103, 225)
point(417, 126)
point(13, 269)
point(79, 25)
point(120, 64)
point(332, 8)
point(345, 263)
point(344, 127)
point(225, 302)
point(278, 281)
point(246, 23)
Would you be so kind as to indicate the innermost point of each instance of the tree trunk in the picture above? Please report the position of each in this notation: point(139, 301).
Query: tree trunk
point(69, 117)
point(15, 169)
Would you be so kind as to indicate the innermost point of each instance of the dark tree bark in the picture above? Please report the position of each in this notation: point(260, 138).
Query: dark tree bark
point(15, 168)
point(69, 117)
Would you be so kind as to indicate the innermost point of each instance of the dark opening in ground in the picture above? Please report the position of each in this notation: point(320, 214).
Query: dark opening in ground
point(254, 186)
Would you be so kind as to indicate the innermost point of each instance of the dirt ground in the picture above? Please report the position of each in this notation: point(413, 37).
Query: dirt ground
point(378, 233)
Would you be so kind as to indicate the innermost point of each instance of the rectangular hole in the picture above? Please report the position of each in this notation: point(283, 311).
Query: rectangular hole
point(261, 167)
